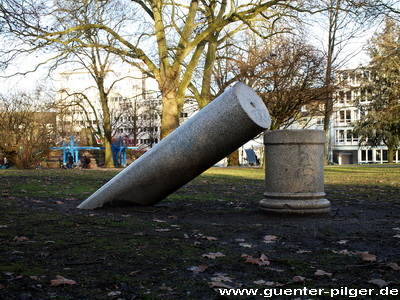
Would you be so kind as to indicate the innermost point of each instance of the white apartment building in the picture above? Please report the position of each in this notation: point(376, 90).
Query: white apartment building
point(345, 146)
point(134, 102)
point(344, 142)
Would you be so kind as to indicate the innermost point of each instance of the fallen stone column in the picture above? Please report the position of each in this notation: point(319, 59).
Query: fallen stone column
point(214, 132)
point(294, 172)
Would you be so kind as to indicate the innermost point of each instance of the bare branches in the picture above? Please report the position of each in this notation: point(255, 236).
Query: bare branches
point(26, 127)
point(285, 71)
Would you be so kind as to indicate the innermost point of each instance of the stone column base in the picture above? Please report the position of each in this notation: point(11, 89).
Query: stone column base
point(294, 172)
point(295, 203)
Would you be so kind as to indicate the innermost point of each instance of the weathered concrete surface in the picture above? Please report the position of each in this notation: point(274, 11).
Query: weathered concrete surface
point(294, 173)
point(217, 130)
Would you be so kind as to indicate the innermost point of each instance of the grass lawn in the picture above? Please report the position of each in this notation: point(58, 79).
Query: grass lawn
point(208, 235)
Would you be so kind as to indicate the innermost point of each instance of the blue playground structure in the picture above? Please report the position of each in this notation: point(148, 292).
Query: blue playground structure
point(118, 151)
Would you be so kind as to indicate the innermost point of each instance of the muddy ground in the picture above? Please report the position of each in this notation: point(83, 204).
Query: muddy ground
point(190, 248)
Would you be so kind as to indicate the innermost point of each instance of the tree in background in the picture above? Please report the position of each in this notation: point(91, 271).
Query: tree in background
point(341, 22)
point(141, 119)
point(380, 98)
point(27, 127)
point(97, 62)
point(285, 71)
point(167, 43)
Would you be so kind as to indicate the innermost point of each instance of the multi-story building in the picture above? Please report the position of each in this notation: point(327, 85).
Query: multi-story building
point(343, 140)
point(134, 102)
point(345, 144)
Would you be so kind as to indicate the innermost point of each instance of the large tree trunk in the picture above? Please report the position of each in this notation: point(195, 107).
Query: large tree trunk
point(108, 163)
point(390, 154)
point(328, 104)
point(333, 23)
point(170, 113)
point(327, 125)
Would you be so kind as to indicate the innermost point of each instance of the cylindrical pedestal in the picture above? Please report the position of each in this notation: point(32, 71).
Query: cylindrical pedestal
point(217, 130)
point(294, 172)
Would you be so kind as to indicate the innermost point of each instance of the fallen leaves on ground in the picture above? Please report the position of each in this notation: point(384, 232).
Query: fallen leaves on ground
point(394, 266)
point(344, 252)
point(199, 269)
point(61, 280)
point(21, 239)
point(379, 282)
point(243, 244)
point(134, 273)
point(302, 251)
point(367, 257)
point(261, 261)
point(159, 221)
point(298, 279)
point(322, 273)
point(342, 242)
point(218, 281)
point(269, 239)
point(163, 230)
point(213, 255)
point(221, 277)
point(267, 283)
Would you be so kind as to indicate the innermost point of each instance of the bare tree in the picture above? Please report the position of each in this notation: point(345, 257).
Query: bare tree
point(140, 120)
point(95, 60)
point(284, 70)
point(342, 21)
point(170, 39)
point(27, 127)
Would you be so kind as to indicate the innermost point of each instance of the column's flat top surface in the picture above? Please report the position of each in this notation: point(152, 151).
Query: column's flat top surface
point(252, 105)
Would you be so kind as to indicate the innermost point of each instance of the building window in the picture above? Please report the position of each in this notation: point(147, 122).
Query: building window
point(320, 121)
point(366, 155)
point(349, 136)
point(341, 97)
point(346, 136)
point(348, 96)
point(345, 116)
point(385, 155)
point(378, 155)
point(340, 136)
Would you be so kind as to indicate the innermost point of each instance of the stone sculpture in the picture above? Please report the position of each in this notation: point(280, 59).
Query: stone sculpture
point(214, 132)
point(294, 172)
